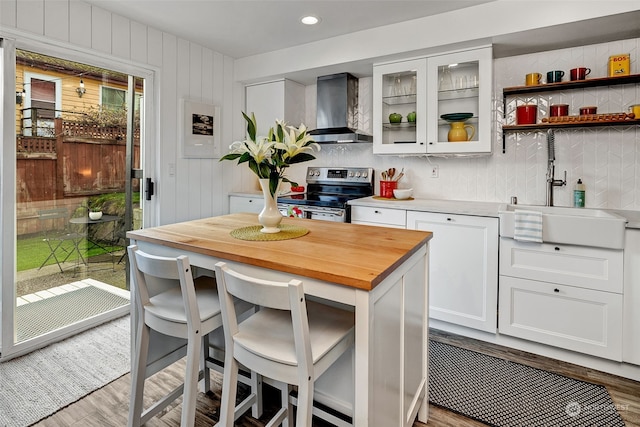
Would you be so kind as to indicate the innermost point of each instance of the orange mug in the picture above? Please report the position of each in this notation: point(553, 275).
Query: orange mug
point(533, 79)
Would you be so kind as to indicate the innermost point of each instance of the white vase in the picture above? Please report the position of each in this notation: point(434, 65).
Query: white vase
point(270, 217)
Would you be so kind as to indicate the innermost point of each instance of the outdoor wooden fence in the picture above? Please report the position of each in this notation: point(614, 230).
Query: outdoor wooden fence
point(80, 161)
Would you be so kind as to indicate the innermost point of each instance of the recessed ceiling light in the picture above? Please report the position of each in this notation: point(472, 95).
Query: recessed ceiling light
point(310, 20)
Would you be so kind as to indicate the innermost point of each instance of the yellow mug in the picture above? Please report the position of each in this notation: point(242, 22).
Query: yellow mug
point(635, 109)
point(533, 79)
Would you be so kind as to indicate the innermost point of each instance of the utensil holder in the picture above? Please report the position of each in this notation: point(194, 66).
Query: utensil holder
point(387, 187)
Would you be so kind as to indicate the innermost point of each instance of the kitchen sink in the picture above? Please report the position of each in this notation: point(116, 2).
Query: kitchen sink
point(573, 226)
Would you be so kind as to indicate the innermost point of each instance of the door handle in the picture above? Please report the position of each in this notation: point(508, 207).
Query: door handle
point(148, 189)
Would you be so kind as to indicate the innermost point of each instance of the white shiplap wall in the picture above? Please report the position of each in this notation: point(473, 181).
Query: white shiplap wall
point(182, 70)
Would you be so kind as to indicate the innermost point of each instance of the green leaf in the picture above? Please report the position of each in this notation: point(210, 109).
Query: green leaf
point(251, 125)
point(230, 156)
point(280, 132)
point(301, 157)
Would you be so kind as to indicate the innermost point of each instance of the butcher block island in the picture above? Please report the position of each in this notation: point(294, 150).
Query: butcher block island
point(379, 273)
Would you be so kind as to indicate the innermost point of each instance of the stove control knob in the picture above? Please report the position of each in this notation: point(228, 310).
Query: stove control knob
point(364, 174)
point(357, 174)
point(350, 174)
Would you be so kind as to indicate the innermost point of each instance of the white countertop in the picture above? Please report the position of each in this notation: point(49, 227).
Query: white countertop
point(463, 207)
point(460, 207)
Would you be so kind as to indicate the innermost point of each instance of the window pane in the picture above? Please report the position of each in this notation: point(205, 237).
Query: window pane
point(113, 99)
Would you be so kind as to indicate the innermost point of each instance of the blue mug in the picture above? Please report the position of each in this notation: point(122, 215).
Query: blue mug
point(555, 76)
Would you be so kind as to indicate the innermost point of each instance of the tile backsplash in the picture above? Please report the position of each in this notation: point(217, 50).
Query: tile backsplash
point(607, 159)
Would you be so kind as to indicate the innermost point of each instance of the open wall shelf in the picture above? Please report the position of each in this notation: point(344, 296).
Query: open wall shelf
point(570, 85)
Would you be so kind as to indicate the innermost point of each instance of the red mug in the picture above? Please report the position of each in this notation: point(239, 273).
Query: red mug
point(558, 110)
point(579, 73)
point(526, 114)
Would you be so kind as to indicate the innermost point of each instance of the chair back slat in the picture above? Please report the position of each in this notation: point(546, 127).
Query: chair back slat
point(266, 293)
point(154, 274)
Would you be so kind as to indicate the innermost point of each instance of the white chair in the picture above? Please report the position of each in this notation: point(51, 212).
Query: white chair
point(289, 339)
point(168, 300)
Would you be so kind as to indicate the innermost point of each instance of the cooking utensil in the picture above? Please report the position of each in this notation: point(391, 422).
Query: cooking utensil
point(391, 173)
point(384, 175)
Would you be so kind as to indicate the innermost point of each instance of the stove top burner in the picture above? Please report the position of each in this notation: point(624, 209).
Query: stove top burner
point(333, 187)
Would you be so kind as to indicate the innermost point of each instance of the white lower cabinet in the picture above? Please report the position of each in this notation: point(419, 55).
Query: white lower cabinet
point(562, 295)
point(631, 313)
point(463, 268)
point(569, 317)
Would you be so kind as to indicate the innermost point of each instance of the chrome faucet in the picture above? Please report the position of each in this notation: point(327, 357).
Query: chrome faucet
point(551, 168)
point(552, 182)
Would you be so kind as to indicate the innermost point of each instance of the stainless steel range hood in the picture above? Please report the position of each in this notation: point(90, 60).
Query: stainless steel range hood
point(337, 110)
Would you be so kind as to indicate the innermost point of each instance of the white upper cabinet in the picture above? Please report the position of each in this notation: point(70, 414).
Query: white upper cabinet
point(459, 86)
point(411, 96)
point(400, 89)
point(279, 99)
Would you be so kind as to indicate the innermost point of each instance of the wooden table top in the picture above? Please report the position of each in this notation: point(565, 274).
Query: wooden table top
point(354, 255)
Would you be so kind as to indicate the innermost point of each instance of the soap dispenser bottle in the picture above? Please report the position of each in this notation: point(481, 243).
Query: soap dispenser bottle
point(578, 194)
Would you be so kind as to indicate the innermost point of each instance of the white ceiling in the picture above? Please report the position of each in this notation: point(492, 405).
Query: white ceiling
point(240, 28)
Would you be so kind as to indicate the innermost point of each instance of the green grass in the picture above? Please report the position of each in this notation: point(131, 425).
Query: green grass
point(33, 251)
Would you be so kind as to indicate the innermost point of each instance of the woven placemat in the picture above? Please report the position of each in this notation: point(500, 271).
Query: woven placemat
point(253, 233)
point(390, 198)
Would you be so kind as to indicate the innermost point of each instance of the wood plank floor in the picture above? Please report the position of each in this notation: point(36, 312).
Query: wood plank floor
point(108, 407)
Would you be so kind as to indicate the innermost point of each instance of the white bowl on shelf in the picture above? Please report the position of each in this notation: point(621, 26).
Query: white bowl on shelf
point(402, 193)
point(94, 216)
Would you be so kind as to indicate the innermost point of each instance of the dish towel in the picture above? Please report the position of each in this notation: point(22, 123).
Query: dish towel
point(528, 226)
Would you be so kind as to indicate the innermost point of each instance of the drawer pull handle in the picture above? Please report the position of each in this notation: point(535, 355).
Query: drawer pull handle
point(556, 290)
point(448, 219)
point(376, 212)
point(557, 248)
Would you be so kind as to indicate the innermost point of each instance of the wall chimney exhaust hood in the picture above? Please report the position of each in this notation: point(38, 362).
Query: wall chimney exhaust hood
point(337, 110)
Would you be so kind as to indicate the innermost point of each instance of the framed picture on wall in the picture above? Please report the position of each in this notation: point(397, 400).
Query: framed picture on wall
point(200, 130)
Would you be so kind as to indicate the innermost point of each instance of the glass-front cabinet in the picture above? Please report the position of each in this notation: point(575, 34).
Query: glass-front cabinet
point(399, 109)
point(434, 105)
point(459, 102)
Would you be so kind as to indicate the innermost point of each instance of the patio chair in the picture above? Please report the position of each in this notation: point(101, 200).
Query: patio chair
point(61, 240)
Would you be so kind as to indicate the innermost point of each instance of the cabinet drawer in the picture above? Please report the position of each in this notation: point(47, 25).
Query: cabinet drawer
point(572, 318)
point(591, 268)
point(379, 216)
point(239, 204)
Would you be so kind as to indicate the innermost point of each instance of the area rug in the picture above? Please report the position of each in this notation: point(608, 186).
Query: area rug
point(40, 383)
point(504, 394)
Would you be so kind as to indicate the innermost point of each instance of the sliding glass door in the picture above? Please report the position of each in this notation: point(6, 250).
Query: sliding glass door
point(73, 183)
